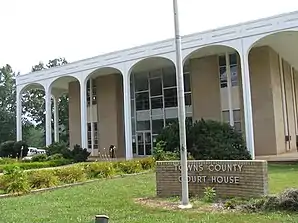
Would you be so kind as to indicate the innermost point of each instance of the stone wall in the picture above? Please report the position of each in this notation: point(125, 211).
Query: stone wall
point(230, 178)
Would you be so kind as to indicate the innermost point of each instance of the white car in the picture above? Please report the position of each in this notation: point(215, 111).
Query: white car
point(34, 151)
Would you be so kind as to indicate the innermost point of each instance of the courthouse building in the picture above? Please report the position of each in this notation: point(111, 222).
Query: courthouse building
point(244, 74)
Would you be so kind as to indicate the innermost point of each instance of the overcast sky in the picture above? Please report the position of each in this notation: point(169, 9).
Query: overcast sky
point(39, 30)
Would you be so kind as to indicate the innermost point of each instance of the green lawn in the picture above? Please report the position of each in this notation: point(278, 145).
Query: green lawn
point(114, 197)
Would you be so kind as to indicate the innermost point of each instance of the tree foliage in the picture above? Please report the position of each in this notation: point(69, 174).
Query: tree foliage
point(7, 104)
point(206, 140)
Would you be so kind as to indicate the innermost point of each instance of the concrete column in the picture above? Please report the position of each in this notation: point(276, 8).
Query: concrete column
point(91, 115)
point(83, 106)
point(248, 117)
point(229, 82)
point(19, 113)
point(56, 118)
point(48, 126)
point(127, 117)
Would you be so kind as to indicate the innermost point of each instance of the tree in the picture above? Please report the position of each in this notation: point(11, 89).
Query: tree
point(34, 101)
point(7, 104)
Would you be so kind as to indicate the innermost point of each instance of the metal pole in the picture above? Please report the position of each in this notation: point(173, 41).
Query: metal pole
point(181, 110)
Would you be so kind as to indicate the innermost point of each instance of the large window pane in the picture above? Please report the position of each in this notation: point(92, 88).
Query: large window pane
point(132, 94)
point(132, 104)
point(187, 82)
point(233, 59)
point(237, 115)
point(226, 116)
point(141, 81)
point(237, 126)
point(157, 126)
point(222, 60)
point(234, 75)
point(133, 126)
point(156, 102)
point(169, 77)
point(155, 73)
point(143, 125)
point(170, 96)
point(171, 121)
point(155, 87)
point(187, 99)
point(142, 101)
point(223, 77)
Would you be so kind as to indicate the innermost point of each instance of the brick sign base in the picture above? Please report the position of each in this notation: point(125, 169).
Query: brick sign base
point(230, 178)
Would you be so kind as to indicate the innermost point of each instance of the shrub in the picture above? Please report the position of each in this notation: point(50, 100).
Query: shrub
point(206, 140)
point(129, 167)
point(99, 170)
point(36, 165)
point(15, 181)
point(79, 154)
point(39, 158)
point(59, 147)
point(57, 156)
point(17, 147)
point(13, 149)
point(42, 179)
point(147, 163)
point(285, 201)
point(209, 194)
point(71, 174)
point(5, 160)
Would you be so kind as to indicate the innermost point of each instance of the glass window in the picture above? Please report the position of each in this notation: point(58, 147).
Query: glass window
point(134, 145)
point(237, 126)
point(223, 77)
point(155, 87)
point(132, 104)
point(133, 126)
point(132, 94)
point(187, 82)
point(143, 125)
point(141, 81)
point(155, 73)
point(237, 115)
point(187, 99)
point(171, 120)
point(142, 101)
point(156, 102)
point(234, 75)
point(233, 59)
point(186, 67)
point(169, 77)
point(157, 126)
point(226, 116)
point(222, 60)
point(170, 97)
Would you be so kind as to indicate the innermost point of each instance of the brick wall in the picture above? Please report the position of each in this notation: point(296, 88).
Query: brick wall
point(230, 178)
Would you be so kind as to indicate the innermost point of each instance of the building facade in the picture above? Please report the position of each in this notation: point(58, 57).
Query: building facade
point(245, 75)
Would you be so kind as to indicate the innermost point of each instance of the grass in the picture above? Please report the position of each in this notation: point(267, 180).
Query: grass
point(115, 197)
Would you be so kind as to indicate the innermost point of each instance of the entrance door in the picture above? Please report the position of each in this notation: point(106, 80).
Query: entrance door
point(144, 143)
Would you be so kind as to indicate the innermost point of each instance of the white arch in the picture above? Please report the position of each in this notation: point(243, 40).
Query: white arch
point(137, 62)
point(235, 45)
point(253, 40)
point(24, 87)
point(111, 69)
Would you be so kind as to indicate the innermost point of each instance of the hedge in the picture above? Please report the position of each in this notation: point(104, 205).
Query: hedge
point(17, 181)
point(35, 165)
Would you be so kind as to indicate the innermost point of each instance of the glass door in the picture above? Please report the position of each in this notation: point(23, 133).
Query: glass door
point(144, 143)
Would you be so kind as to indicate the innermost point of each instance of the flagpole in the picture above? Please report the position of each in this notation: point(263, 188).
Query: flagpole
point(181, 110)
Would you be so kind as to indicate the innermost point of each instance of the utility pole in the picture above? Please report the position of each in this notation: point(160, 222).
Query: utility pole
point(181, 111)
